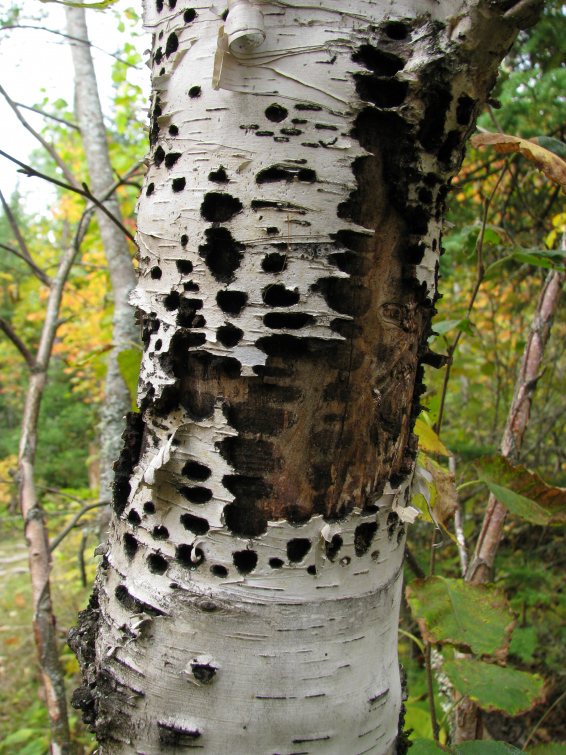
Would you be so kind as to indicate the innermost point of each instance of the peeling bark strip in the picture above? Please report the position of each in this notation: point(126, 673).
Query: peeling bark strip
point(289, 231)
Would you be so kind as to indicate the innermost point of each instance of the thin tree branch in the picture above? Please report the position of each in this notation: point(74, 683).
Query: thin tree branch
point(68, 36)
point(48, 115)
point(37, 271)
point(18, 343)
point(65, 531)
point(15, 228)
point(84, 192)
point(45, 144)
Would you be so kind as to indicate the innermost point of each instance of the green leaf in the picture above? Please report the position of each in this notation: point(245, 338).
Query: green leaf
point(523, 492)
point(552, 748)
point(422, 746)
point(473, 618)
point(552, 145)
point(129, 362)
point(440, 328)
point(17, 737)
point(484, 747)
point(493, 687)
point(524, 641)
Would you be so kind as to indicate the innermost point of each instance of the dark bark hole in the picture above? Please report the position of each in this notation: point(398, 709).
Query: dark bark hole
point(276, 173)
point(219, 571)
point(221, 253)
point(158, 344)
point(343, 296)
point(150, 189)
point(274, 262)
point(229, 335)
point(173, 130)
point(279, 296)
point(158, 57)
point(242, 516)
point(149, 507)
point(172, 44)
point(451, 142)
point(130, 546)
point(288, 320)
point(464, 109)
point(184, 553)
point(291, 132)
point(196, 494)
point(245, 561)
point(189, 15)
point(203, 672)
point(124, 598)
point(397, 30)
point(384, 93)
point(196, 471)
point(380, 62)
point(272, 230)
point(285, 346)
point(159, 156)
point(156, 563)
point(160, 533)
point(392, 522)
point(375, 555)
point(231, 302)
point(297, 549)
point(159, 5)
point(175, 735)
point(190, 286)
point(133, 517)
point(187, 316)
point(171, 301)
point(195, 524)
point(265, 133)
point(308, 106)
point(129, 458)
point(312, 570)
point(171, 158)
point(276, 563)
point(299, 121)
point(425, 195)
point(178, 184)
point(276, 113)
point(249, 456)
point(195, 92)
point(363, 537)
point(333, 547)
point(218, 176)
point(219, 207)
point(156, 273)
point(400, 534)
point(172, 3)
point(431, 128)
point(185, 267)
point(184, 240)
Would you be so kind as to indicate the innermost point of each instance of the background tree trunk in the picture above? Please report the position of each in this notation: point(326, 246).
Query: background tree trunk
point(289, 233)
point(117, 400)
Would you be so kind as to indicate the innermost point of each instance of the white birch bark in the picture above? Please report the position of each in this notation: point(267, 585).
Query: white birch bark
point(117, 401)
point(289, 230)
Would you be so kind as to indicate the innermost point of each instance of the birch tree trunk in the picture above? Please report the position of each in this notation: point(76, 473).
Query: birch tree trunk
point(117, 400)
point(289, 231)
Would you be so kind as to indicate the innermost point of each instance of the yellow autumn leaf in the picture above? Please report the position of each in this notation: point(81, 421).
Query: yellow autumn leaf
point(550, 164)
point(429, 442)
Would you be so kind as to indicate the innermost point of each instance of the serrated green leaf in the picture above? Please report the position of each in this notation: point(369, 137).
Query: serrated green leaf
point(129, 362)
point(518, 504)
point(493, 687)
point(485, 747)
point(473, 618)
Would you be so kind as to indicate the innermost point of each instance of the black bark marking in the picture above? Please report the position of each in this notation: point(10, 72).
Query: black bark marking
point(219, 571)
point(171, 158)
point(308, 106)
point(159, 156)
point(176, 736)
point(150, 189)
point(172, 44)
point(465, 109)
point(154, 129)
point(178, 184)
point(245, 561)
point(187, 316)
point(218, 176)
point(265, 133)
point(156, 563)
point(195, 524)
point(397, 30)
point(149, 507)
point(376, 60)
point(242, 516)
point(219, 207)
point(195, 92)
point(127, 601)
point(159, 5)
point(276, 563)
point(221, 253)
point(363, 537)
point(190, 286)
point(129, 458)
point(291, 132)
point(288, 320)
point(189, 15)
point(297, 549)
point(231, 302)
point(173, 130)
point(252, 457)
point(171, 301)
point(276, 113)
point(160, 532)
point(130, 546)
point(134, 518)
point(203, 672)
point(312, 570)
point(344, 296)
point(158, 57)
point(274, 262)
point(184, 553)
point(375, 555)
point(229, 335)
point(185, 267)
point(196, 471)
point(272, 230)
point(156, 273)
point(279, 296)
point(392, 523)
point(383, 92)
point(332, 548)
point(276, 173)
point(184, 240)
point(196, 494)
